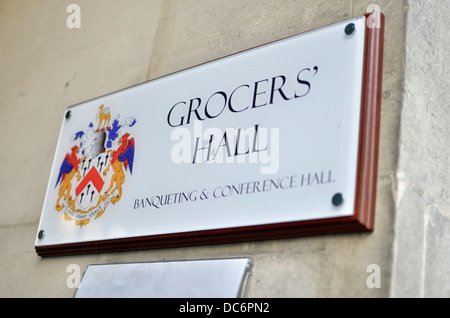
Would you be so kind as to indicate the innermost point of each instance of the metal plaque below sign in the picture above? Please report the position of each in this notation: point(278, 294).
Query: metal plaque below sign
point(215, 278)
point(274, 142)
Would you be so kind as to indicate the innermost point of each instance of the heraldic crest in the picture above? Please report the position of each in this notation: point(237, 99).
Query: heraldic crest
point(93, 171)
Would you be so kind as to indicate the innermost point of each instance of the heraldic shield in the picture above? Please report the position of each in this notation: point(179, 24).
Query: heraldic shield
point(93, 173)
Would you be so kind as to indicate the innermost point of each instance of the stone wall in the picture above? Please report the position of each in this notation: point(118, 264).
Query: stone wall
point(423, 175)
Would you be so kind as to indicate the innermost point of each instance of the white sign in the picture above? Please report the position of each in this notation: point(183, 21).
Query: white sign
point(267, 136)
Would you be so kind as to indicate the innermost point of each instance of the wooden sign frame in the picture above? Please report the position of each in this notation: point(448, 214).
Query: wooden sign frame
point(367, 165)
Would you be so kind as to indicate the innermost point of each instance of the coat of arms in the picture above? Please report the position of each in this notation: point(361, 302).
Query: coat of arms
point(94, 169)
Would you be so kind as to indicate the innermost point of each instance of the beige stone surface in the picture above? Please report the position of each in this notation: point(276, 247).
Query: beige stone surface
point(192, 32)
point(421, 258)
point(46, 67)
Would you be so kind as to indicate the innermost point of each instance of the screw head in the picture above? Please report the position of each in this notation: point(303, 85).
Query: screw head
point(68, 114)
point(350, 28)
point(337, 199)
point(41, 234)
